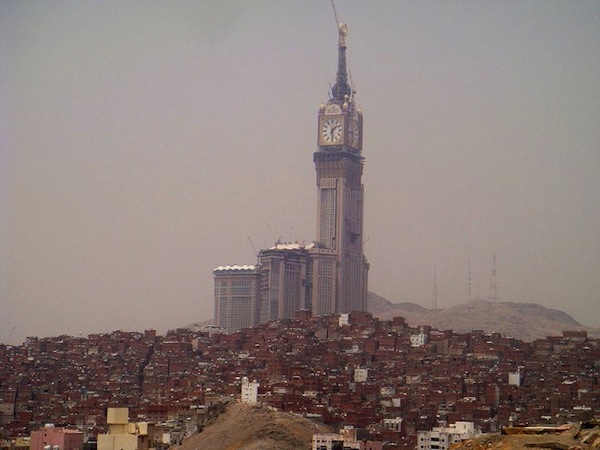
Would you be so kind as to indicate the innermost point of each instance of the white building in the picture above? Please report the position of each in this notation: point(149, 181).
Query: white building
point(394, 424)
point(515, 378)
point(249, 392)
point(418, 340)
point(441, 438)
point(387, 391)
point(344, 319)
point(361, 375)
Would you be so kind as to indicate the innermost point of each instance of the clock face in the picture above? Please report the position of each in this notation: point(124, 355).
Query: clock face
point(331, 130)
point(353, 133)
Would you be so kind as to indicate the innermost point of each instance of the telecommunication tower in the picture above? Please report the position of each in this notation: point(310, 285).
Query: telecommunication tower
point(434, 299)
point(468, 281)
point(493, 296)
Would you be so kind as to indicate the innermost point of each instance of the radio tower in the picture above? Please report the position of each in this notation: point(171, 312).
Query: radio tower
point(493, 297)
point(434, 302)
point(468, 281)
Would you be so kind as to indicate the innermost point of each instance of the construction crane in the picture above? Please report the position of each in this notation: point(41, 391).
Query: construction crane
point(337, 22)
point(252, 245)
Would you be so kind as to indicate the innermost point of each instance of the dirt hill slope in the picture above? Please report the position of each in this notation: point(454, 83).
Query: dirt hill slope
point(254, 428)
point(578, 437)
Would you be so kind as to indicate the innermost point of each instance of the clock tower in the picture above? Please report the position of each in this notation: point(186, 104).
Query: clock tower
point(339, 269)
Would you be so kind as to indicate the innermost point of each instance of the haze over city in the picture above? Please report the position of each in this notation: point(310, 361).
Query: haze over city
point(142, 144)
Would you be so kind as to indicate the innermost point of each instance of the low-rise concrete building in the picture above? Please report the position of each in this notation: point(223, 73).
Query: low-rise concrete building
point(124, 435)
point(441, 438)
point(56, 438)
point(249, 394)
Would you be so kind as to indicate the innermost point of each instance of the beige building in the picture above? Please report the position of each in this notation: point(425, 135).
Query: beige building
point(236, 297)
point(283, 272)
point(125, 435)
point(249, 391)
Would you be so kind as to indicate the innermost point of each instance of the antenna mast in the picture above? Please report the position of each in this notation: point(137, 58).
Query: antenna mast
point(434, 300)
point(493, 297)
point(468, 281)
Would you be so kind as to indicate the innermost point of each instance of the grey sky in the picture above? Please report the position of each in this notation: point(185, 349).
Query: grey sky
point(143, 142)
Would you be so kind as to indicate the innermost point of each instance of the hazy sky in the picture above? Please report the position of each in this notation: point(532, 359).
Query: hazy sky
point(142, 143)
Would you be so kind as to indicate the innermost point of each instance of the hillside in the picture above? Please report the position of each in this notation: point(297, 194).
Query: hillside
point(253, 428)
point(576, 436)
point(525, 321)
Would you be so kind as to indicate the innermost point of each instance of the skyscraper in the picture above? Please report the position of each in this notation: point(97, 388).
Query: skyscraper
point(282, 272)
point(340, 269)
point(236, 297)
point(326, 276)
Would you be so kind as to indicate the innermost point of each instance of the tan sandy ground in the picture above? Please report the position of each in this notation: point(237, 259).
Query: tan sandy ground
point(577, 438)
point(255, 428)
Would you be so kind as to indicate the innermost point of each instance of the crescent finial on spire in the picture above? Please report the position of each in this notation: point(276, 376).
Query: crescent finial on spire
point(343, 31)
point(341, 89)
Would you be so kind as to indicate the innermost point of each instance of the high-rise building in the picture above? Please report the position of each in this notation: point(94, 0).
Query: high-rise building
point(236, 297)
point(283, 288)
point(340, 269)
point(326, 276)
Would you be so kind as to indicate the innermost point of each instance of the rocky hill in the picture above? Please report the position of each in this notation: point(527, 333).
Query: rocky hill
point(525, 321)
point(243, 427)
point(576, 436)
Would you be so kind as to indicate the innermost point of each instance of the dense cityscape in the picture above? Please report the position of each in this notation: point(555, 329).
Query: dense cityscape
point(291, 333)
point(349, 369)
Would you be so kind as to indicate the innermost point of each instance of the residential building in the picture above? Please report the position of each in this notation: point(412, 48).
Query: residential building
point(361, 375)
point(125, 435)
point(57, 438)
point(441, 438)
point(249, 394)
point(349, 438)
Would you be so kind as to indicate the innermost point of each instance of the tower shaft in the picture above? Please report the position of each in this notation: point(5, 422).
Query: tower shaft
point(339, 269)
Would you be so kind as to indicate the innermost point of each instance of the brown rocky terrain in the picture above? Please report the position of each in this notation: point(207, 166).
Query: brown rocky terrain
point(525, 321)
point(253, 428)
point(577, 437)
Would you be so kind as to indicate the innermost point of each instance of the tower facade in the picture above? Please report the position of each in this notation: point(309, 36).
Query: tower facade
point(282, 273)
point(340, 270)
point(236, 297)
